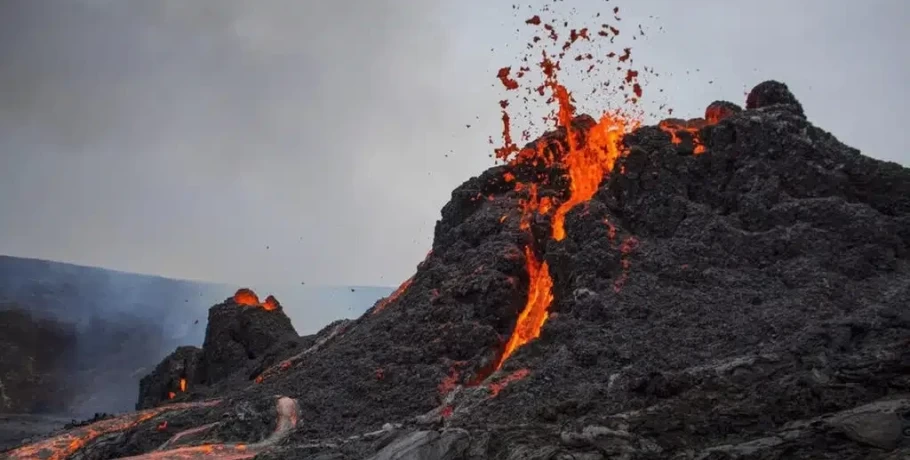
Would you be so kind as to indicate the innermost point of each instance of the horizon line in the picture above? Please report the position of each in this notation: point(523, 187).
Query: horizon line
point(171, 278)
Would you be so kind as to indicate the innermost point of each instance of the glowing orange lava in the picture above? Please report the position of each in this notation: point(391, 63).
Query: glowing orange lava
point(498, 386)
point(587, 156)
point(287, 420)
point(271, 303)
point(62, 446)
point(679, 128)
point(209, 451)
point(589, 164)
point(535, 314)
point(286, 364)
point(248, 298)
point(395, 295)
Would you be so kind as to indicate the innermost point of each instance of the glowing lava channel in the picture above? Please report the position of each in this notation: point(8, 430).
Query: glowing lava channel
point(534, 315)
point(66, 444)
point(587, 166)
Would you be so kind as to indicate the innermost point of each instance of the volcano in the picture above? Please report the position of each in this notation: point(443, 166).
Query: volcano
point(733, 286)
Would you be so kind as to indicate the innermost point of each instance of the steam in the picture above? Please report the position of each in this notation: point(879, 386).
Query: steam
point(226, 127)
point(124, 323)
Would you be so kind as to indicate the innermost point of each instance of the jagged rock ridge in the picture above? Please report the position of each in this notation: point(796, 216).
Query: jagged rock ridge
point(743, 300)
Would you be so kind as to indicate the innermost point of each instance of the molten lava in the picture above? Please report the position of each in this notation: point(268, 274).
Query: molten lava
point(588, 157)
point(248, 298)
point(271, 303)
point(679, 129)
point(589, 164)
point(64, 445)
point(535, 314)
point(287, 409)
point(286, 364)
point(500, 385)
point(394, 296)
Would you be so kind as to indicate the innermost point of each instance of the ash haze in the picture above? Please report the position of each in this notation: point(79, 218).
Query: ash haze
point(300, 140)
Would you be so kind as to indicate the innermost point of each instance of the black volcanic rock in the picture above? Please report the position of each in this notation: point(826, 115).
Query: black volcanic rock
point(175, 375)
point(747, 302)
point(35, 355)
point(718, 110)
point(769, 93)
point(237, 334)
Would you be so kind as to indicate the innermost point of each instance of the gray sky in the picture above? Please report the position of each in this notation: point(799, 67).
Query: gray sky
point(182, 138)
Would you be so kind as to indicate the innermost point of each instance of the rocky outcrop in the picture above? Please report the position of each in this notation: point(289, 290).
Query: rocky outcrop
point(238, 334)
point(243, 338)
point(35, 354)
point(178, 373)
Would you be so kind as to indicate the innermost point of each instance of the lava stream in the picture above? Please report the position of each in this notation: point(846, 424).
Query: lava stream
point(534, 315)
point(394, 296)
point(185, 434)
point(217, 451)
point(588, 157)
point(62, 446)
point(287, 409)
point(589, 164)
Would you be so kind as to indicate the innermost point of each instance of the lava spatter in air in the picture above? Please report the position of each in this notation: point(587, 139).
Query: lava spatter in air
point(588, 157)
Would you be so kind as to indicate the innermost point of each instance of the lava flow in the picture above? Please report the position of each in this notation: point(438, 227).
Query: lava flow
point(589, 164)
point(393, 296)
point(287, 413)
point(679, 129)
point(62, 446)
point(534, 315)
point(588, 156)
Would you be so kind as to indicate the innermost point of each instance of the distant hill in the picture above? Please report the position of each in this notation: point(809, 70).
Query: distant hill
point(125, 323)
